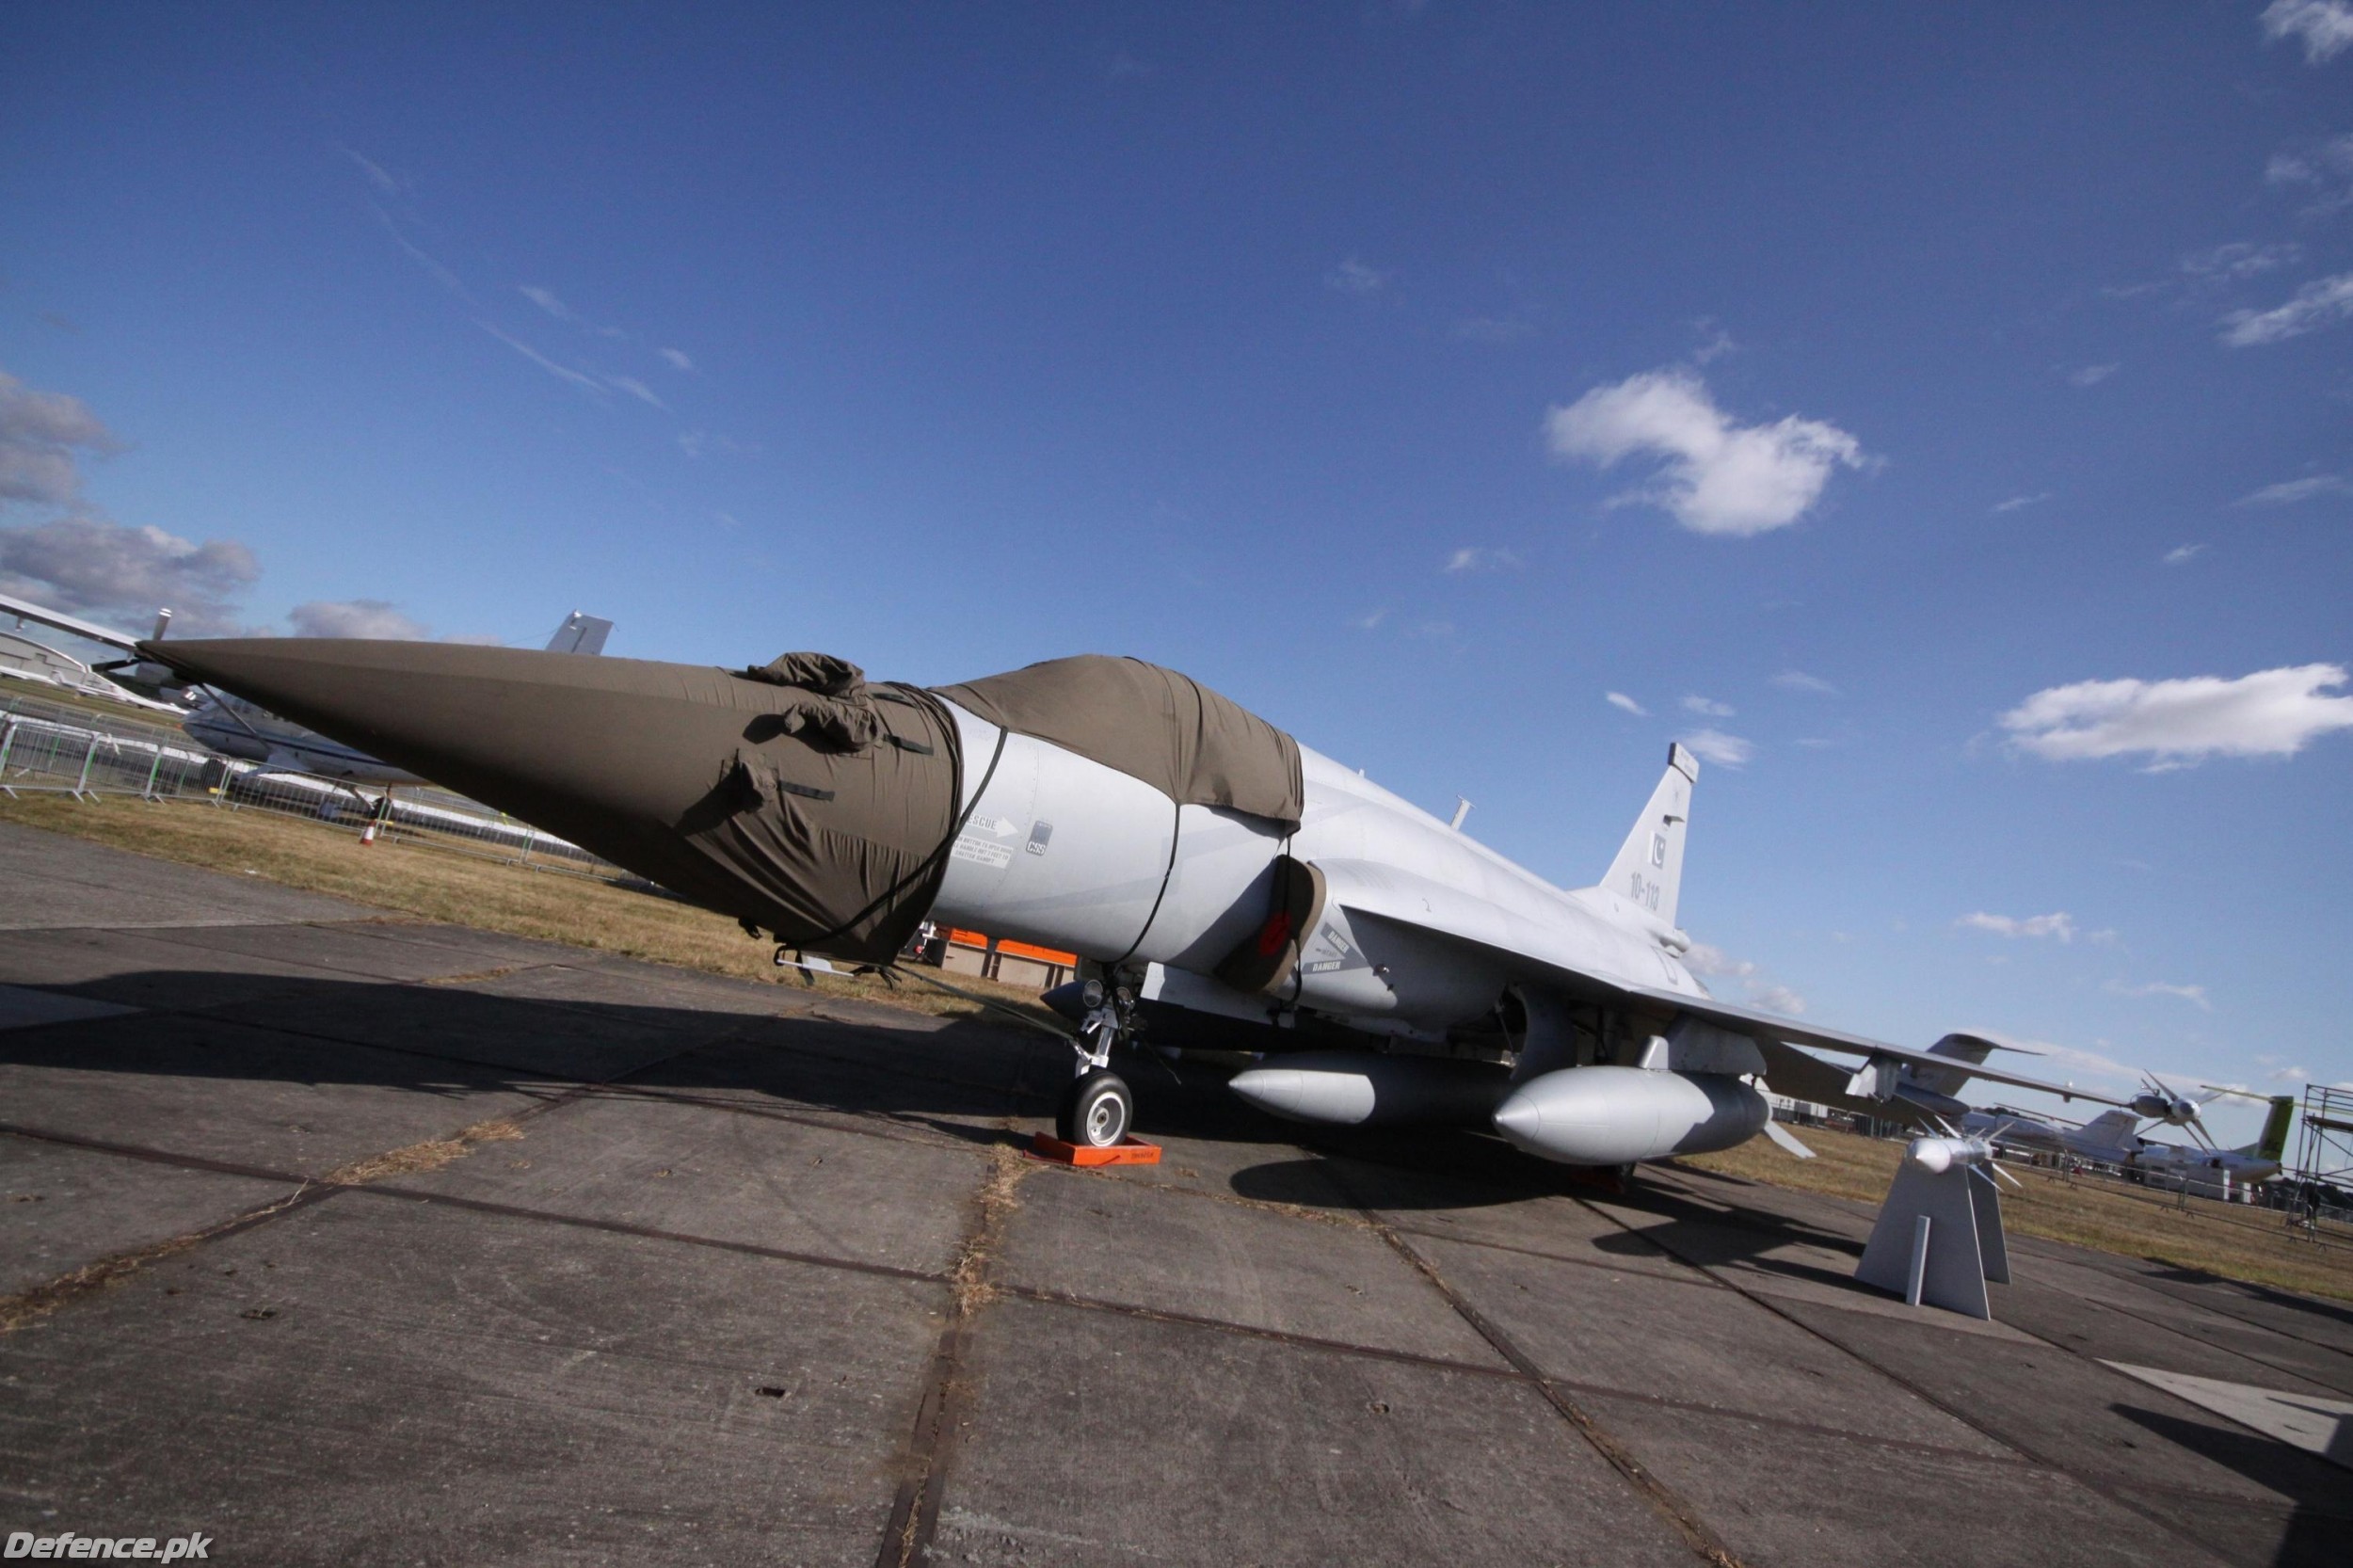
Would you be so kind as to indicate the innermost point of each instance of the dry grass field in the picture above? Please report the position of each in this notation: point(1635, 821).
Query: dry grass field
point(498, 895)
point(2234, 1240)
point(431, 884)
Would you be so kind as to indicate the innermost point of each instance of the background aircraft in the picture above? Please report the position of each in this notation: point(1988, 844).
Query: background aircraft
point(2113, 1137)
point(1199, 858)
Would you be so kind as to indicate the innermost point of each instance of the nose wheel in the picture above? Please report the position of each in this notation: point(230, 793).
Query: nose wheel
point(1096, 1111)
point(1099, 1107)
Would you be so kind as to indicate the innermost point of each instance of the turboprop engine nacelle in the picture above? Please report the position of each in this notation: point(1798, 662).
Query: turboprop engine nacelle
point(2170, 1108)
point(1617, 1116)
point(1362, 1088)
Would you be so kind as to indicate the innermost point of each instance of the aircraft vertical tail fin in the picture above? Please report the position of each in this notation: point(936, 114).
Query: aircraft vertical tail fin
point(580, 634)
point(1648, 871)
point(2273, 1144)
point(2111, 1129)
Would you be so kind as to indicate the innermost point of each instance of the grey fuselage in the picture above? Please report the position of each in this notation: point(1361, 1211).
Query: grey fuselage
point(1064, 852)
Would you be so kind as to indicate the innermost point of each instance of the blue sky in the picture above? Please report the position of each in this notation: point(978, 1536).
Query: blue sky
point(1904, 403)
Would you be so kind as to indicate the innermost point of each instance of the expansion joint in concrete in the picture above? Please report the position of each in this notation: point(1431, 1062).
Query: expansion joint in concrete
point(1958, 1411)
point(1671, 1507)
point(948, 1390)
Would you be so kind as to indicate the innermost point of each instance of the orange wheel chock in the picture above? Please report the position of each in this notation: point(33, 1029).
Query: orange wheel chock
point(1128, 1151)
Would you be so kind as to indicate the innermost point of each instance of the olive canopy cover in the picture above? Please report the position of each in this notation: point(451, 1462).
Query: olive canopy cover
point(1194, 746)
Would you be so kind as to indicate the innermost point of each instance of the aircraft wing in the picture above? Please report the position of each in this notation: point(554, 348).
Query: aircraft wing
point(25, 610)
point(1754, 1021)
point(1529, 947)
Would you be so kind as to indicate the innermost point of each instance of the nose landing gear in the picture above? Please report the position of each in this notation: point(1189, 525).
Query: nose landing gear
point(1099, 1107)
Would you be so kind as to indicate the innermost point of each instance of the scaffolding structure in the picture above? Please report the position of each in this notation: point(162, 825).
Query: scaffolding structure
point(2324, 1151)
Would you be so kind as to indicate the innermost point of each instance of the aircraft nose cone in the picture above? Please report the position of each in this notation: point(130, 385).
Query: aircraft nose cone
point(1520, 1119)
point(1276, 1091)
point(749, 797)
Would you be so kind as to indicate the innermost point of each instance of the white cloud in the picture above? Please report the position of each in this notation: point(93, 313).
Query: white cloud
point(1619, 699)
point(2325, 166)
point(1707, 959)
point(1797, 681)
point(367, 618)
point(701, 443)
point(378, 175)
point(2243, 258)
point(1716, 476)
point(1353, 277)
point(2091, 376)
point(563, 373)
point(2015, 502)
point(1716, 963)
point(677, 358)
point(2288, 1074)
point(424, 258)
point(2315, 305)
point(2181, 555)
point(82, 562)
point(43, 437)
point(546, 300)
point(1706, 708)
point(2195, 994)
point(1372, 620)
point(92, 564)
point(2289, 491)
point(2059, 927)
point(1720, 343)
point(358, 617)
point(2269, 713)
point(637, 389)
point(2323, 26)
point(1714, 746)
point(1479, 559)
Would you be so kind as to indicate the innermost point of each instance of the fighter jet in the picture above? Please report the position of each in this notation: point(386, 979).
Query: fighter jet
point(1207, 867)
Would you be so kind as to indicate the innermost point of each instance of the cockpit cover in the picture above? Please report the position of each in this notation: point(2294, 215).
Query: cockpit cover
point(1177, 735)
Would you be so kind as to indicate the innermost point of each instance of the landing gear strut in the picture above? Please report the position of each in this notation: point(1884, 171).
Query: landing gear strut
point(1099, 1107)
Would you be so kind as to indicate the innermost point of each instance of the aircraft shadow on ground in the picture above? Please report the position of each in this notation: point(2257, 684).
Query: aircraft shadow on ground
point(2319, 1531)
point(956, 1076)
point(2199, 1278)
point(449, 1040)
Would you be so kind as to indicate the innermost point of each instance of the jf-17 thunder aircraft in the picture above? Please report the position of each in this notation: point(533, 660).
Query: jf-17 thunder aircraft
point(1207, 867)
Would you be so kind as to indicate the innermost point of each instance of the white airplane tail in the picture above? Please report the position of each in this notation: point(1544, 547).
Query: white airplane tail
point(1648, 871)
point(2111, 1129)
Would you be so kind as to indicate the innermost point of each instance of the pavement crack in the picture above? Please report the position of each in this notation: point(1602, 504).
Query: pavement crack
point(1957, 1409)
point(948, 1391)
point(430, 1154)
point(26, 1308)
point(1678, 1513)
